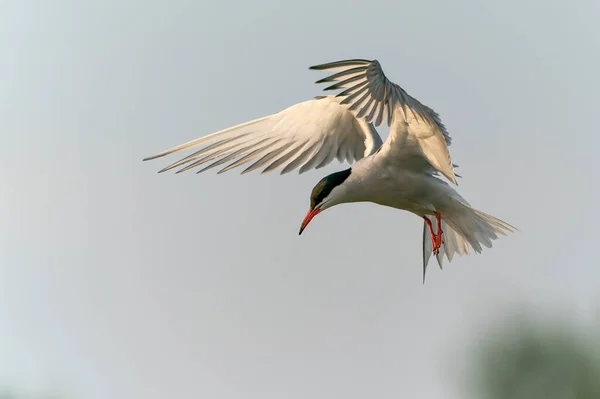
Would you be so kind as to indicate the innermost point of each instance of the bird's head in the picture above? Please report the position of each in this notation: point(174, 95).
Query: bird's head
point(328, 192)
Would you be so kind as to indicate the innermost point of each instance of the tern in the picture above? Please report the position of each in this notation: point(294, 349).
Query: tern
point(403, 172)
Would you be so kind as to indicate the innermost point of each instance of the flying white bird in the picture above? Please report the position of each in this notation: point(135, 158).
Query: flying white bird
point(402, 172)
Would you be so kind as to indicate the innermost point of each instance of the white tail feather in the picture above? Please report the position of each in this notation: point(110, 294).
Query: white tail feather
point(463, 227)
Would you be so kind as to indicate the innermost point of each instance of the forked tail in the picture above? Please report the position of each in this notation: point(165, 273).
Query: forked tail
point(463, 227)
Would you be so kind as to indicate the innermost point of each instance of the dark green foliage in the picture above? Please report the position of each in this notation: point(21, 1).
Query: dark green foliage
point(525, 359)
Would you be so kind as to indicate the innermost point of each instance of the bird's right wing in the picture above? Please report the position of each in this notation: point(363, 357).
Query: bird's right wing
point(416, 130)
point(306, 135)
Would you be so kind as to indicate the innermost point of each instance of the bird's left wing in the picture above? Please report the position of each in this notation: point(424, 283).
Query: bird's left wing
point(415, 129)
point(306, 135)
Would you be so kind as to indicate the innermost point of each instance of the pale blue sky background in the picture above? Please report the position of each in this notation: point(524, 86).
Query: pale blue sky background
point(116, 282)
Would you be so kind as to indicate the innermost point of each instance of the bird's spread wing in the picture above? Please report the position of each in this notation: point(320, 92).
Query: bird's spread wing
point(306, 135)
point(414, 127)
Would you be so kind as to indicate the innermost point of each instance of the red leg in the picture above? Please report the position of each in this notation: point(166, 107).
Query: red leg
point(439, 227)
point(436, 239)
point(430, 227)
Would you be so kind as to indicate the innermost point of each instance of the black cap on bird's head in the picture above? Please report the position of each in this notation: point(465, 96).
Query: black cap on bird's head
point(321, 192)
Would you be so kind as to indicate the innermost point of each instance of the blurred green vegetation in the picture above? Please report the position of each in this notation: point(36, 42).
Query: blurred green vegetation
point(529, 357)
point(522, 356)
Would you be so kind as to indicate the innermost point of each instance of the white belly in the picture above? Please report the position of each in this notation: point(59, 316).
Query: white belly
point(416, 192)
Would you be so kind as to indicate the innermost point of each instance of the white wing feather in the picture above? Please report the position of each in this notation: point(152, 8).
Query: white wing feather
point(306, 135)
point(415, 129)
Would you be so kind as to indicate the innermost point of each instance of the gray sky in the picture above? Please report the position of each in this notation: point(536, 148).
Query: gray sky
point(116, 282)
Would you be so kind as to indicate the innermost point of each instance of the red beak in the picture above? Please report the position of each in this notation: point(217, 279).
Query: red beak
point(309, 215)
